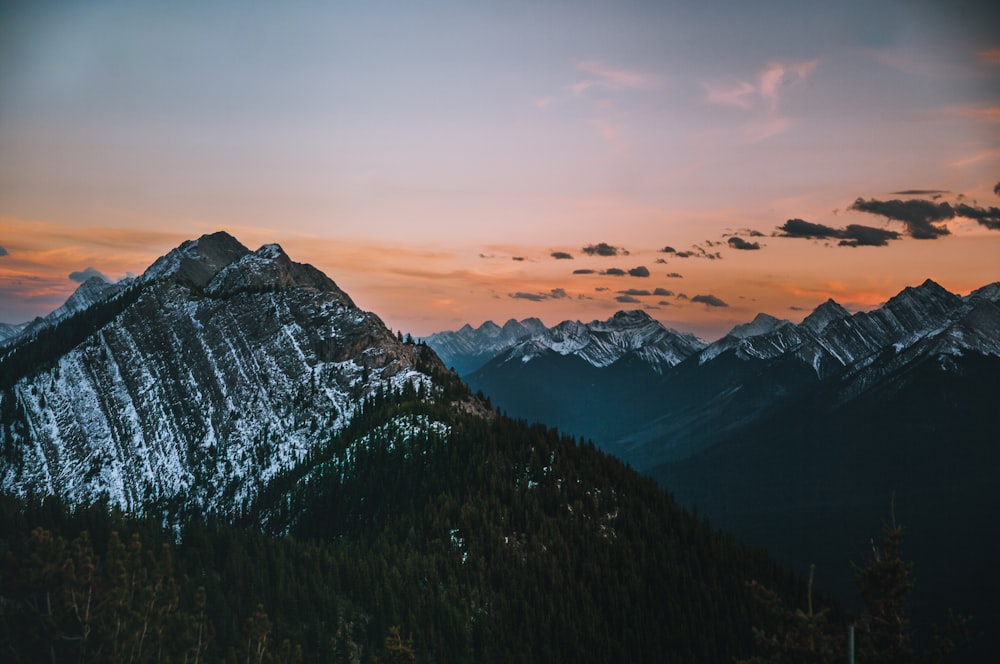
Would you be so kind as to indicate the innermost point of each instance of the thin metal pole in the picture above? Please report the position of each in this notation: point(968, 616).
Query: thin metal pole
point(850, 644)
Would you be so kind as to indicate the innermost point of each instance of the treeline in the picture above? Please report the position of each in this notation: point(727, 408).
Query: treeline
point(417, 534)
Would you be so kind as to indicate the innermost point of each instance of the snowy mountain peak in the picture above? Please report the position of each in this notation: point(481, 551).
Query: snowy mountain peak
point(197, 261)
point(270, 268)
point(989, 292)
point(823, 315)
point(761, 324)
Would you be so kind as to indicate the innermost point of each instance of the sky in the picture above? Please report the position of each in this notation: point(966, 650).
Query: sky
point(452, 162)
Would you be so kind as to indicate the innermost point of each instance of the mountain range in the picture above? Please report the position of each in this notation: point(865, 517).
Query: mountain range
point(792, 436)
point(273, 444)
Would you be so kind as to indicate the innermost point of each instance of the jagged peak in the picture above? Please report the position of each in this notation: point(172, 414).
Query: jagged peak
point(823, 315)
point(269, 268)
point(197, 261)
point(989, 292)
point(761, 324)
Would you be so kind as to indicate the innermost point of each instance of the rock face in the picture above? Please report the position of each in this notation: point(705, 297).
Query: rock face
point(223, 367)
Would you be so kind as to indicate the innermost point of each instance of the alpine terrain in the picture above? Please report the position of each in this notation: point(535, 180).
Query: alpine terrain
point(226, 459)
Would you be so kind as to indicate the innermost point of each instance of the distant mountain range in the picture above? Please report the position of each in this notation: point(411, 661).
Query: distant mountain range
point(794, 436)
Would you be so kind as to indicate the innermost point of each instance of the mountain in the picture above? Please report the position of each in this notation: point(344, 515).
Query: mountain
point(228, 458)
point(468, 348)
point(93, 290)
point(191, 382)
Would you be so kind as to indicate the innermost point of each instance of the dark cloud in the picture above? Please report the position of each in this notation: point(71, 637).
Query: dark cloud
point(534, 297)
point(996, 189)
point(487, 256)
point(640, 271)
point(517, 258)
point(663, 292)
point(697, 251)
point(684, 254)
point(602, 249)
point(854, 235)
point(87, 273)
point(614, 272)
point(3, 252)
point(917, 215)
point(601, 289)
point(740, 243)
point(668, 250)
point(562, 255)
point(663, 302)
point(675, 275)
point(794, 308)
point(709, 300)
point(637, 292)
point(682, 296)
point(989, 217)
point(661, 261)
point(627, 299)
point(921, 192)
point(554, 294)
point(584, 271)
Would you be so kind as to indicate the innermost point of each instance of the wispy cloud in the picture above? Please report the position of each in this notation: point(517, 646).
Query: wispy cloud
point(762, 96)
point(990, 56)
point(987, 113)
point(603, 76)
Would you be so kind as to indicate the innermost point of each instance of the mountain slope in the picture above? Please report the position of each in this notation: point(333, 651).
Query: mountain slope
point(197, 386)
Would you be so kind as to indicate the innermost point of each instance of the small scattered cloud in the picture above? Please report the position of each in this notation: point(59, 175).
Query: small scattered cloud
point(739, 243)
point(635, 292)
point(697, 251)
point(554, 294)
point(627, 299)
point(4, 252)
point(562, 255)
point(663, 292)
point(603, 249)
point(682, 296)
point(584, 270)
point(601, 289)
point(709, 301)
point(614, 272)
point(487, 256)
point(86, 273)
point(664, 302)
point(517, 258)
point(989, 217)
point(996, 189)
point(795, 308)
point(641, 271)
point(853, 235)
point(675, 275)
point(668, 250)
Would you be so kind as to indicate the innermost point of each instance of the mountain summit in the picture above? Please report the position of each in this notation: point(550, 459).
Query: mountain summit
point(212, 372)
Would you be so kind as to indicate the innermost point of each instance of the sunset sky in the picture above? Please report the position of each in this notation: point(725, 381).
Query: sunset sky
point(448, 162)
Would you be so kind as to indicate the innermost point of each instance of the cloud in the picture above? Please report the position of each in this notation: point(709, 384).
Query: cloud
point(4, 252)
point(603, 249)
point(554, 294)
point(921, 192)
point(614, 272)
point(627, 299)
point(976, 112)
point(636, 292)
point(853, 235)
point(919, 216)
point(641, 271)
point(740, 243)
point(517, 258)
point(990, 56)
point(668, 250)
point(762, 96)
point(996, 189)
point(663, 302)
point(605, 77)
point(682, 296)
point(87, 273)
point(709, 300)
point(561, 255)
point(989, 217)
point(584, 271)
point(663, 292)
point(675, 275)
point(697, 251)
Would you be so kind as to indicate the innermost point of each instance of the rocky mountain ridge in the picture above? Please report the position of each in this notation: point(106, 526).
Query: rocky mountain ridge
point(220, 369)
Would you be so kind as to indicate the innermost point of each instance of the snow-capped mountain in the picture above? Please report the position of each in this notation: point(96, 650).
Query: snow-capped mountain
point(468, 348)
point(213, 371)
point(599, 343)
point(93, 290)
